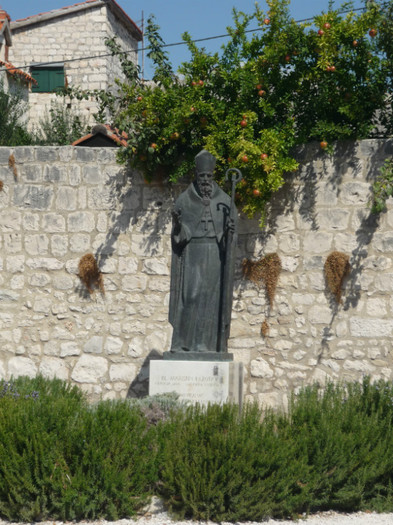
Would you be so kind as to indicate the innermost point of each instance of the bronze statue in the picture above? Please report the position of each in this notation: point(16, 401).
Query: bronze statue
point(204, 237)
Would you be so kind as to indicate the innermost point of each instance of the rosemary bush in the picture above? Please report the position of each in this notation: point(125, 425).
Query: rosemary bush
point(63, 459)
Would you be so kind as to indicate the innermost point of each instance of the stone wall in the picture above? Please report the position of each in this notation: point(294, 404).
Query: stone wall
point(60, 203)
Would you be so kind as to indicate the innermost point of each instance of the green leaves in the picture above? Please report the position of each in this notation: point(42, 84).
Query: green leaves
point(382, 188)
point(283, 84)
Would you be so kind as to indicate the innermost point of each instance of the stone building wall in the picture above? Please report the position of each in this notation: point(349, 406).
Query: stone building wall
point(74, 35)
point(59, 203)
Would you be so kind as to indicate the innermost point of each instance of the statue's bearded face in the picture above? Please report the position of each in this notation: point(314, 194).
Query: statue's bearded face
point(204, 181)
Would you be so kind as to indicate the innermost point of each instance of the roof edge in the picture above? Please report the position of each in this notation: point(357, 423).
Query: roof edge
point(62, 11)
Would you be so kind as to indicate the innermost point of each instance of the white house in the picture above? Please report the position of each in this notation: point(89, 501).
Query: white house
point(66, 47)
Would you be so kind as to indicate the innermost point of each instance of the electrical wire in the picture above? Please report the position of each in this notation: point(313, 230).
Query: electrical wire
point(130, 51)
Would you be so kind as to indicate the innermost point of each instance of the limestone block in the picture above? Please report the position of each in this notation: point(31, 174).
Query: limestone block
point(377, 263)
point(156, 342)
point(10, 221)
point(158, 284)
point(44, 263)
point(365, 327)
point(136, 347)
point(317, 242)
point(102, 222)
point(57, 174)
point(303, 298)
point(83, 154)
point(341, 329)
point(354, 193)
point(59, 245)
point(113, 345)
point(261, 368)
point(122, 372)
point(128, 265)
point(80, 243)
point(289, 243)
point(17, 282)
point(53, 223)
point(359, 366)
point(345, 242)
point(94, 345)
point(52, 367)
point(47, 153)
point(156, 266)
point(81, 222)
point(33, 197)
point(69, 348)
point(273, 400)
point(376, 307)
point(134, 283)
point(314, 262)
point(74, 175)
point(31, 221)
point(134, 327)
point(42, 305)
point(333, 219)
point(383, 282)
point(66, 199)
point(289, 264)
point(89, 369)
point(12, 242)
point(63, 282)
point(146, 245)
point(319, 376)
point(101, 199)
point(21, 366)
point(39, 279)
point(36, 244)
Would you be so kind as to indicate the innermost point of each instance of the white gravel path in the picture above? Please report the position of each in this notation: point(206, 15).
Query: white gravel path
point(162, 518)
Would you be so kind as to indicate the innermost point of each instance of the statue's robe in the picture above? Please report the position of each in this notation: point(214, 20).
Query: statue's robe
point(202, 272)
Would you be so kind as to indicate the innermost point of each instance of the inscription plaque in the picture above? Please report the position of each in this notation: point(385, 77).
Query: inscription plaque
point(197, 381)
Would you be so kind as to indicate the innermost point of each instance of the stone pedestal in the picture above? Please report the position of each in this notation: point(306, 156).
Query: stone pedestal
point(198, 381)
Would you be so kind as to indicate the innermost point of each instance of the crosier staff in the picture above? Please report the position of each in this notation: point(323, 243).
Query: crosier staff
point(227, 289)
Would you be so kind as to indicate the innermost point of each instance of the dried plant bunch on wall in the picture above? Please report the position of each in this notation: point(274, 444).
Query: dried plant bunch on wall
point(12, 165)
point(336, 268)
point(1, 185)
point(266, 270)
point(265, 328)
point(90, 274)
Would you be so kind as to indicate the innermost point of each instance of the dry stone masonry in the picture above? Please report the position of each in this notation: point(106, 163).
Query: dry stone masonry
point(64, 202)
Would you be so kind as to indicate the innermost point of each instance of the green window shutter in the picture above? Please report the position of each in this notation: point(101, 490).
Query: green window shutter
point(41, 76)
point(49, 79)
point(56, 78)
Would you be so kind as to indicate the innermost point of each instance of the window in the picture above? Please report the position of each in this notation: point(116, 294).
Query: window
point(49, 78)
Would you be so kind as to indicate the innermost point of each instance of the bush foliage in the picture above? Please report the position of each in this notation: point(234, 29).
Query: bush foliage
point(275, 84)
point(63, 459)
point(13, 127)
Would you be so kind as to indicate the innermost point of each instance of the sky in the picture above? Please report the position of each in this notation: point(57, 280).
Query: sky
point(201, 18)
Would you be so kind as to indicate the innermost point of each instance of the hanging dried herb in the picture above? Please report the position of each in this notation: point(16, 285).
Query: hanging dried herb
point(336, 268)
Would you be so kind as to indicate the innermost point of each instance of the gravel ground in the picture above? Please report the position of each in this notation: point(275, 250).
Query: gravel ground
point(325, 518)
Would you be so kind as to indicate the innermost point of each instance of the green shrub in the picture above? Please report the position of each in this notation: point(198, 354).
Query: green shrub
point(61, 125)
point(223, 466)
point(334, 450)
point(62, 459)
point(13, 129)
point(345, 432)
